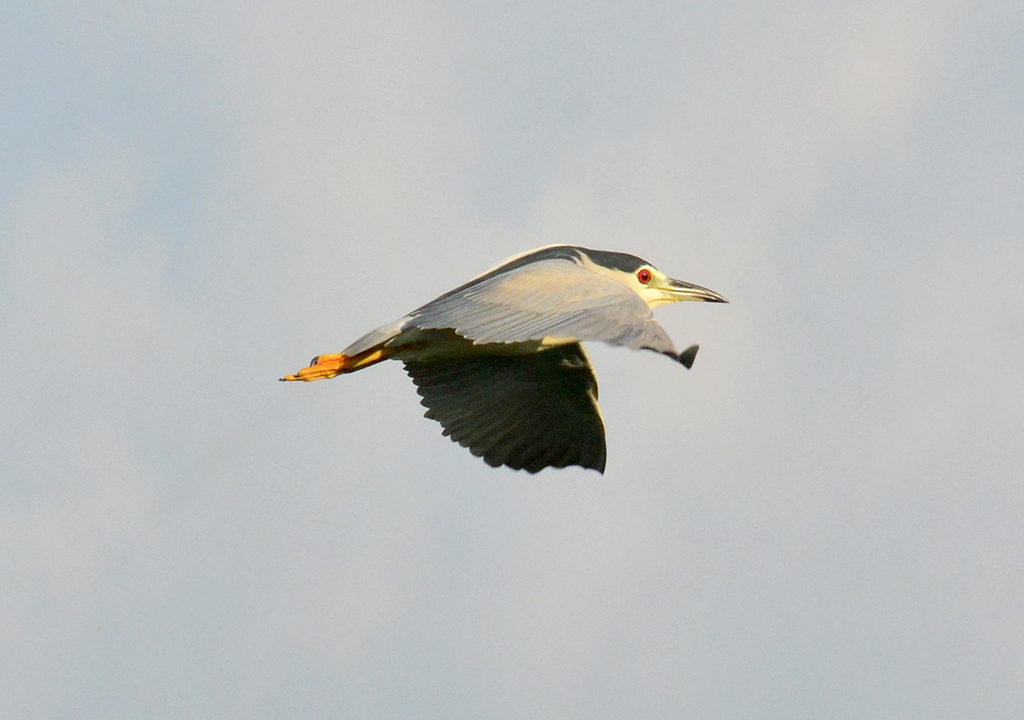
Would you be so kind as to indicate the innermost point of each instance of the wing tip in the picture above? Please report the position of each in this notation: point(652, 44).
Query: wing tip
point(533, 470)
point(687, 356)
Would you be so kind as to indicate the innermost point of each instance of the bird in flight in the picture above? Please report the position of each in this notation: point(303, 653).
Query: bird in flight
point(498, 361)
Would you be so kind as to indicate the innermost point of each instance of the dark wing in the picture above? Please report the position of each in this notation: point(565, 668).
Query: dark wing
point(549, 298)
point(528, 412)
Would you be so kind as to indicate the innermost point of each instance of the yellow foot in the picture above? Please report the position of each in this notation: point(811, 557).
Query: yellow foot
point(328, 366)
point(322, 366)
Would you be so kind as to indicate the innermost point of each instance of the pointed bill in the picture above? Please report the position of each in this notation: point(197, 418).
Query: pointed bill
point(681, 290)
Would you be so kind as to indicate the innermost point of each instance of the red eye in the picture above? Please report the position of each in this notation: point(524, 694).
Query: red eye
point(644, 276)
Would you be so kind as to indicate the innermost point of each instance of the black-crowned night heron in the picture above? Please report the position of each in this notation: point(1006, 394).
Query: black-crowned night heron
point(498, 361)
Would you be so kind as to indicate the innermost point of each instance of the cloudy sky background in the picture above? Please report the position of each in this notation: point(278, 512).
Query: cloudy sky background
point(824, 518)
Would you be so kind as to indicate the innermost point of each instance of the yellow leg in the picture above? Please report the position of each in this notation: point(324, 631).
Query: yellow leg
point(328, 366)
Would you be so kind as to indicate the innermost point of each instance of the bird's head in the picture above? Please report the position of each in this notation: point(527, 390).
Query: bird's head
point(654, 286)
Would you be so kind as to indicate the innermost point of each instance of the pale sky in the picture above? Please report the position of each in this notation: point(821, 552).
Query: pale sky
point(824, 518)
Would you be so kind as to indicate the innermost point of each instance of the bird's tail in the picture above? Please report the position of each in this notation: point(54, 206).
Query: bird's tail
point(328, 366)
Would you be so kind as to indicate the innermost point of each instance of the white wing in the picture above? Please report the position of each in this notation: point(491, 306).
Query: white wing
point(549, 298)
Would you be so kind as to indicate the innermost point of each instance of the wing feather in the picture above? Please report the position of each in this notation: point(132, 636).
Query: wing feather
point(525, 411)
